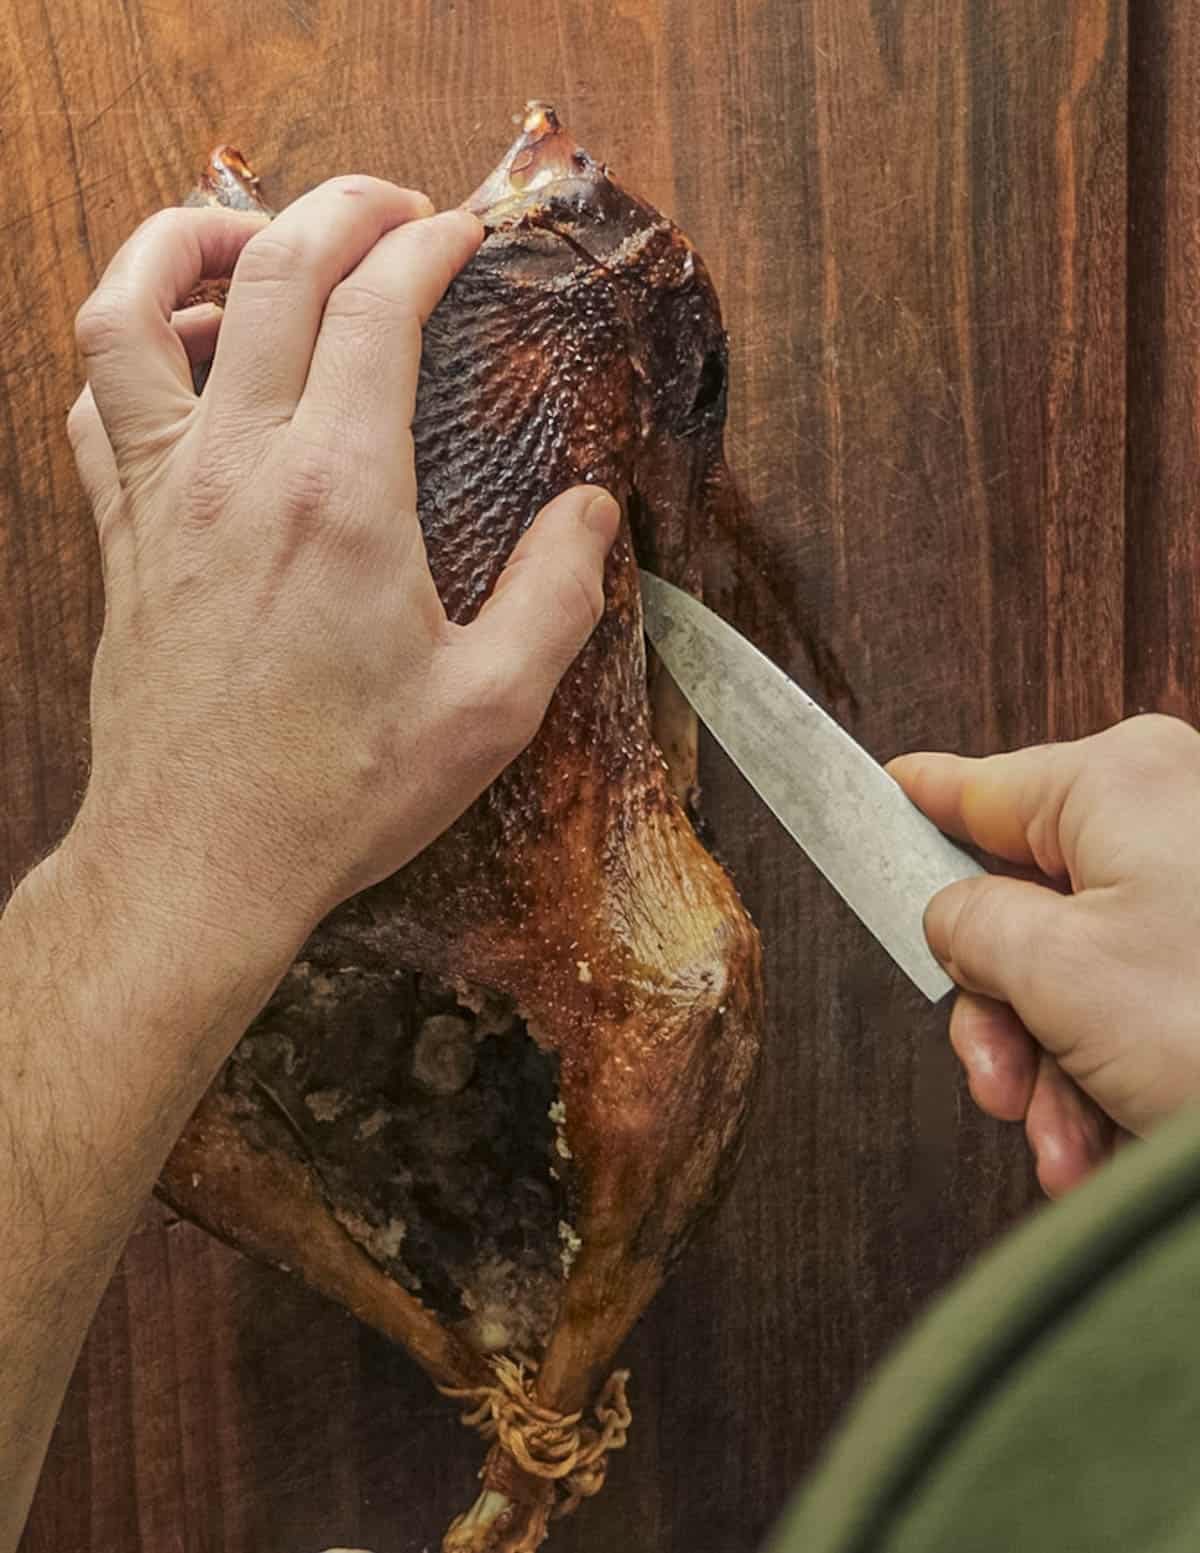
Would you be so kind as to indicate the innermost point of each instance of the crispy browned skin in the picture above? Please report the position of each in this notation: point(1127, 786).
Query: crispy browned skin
point(584, 342)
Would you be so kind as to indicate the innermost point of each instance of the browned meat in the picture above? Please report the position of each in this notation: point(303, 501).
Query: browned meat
point(487, 1107)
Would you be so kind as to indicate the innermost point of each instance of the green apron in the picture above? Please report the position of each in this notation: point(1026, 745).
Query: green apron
point(1051, 1402)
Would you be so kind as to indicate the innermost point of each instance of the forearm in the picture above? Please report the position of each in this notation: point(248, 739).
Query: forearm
point(122, 989)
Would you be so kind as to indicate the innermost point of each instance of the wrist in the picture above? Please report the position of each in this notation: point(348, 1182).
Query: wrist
point(170, 959)
point(123, 988)
point(184, 880)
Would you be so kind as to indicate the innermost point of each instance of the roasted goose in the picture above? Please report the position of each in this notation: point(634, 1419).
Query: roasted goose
point(488, 1105)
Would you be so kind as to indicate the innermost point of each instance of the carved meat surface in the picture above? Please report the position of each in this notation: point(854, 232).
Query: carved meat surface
point(487, 1107)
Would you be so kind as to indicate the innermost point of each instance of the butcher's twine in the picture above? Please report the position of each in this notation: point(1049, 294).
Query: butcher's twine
point(547, 1444)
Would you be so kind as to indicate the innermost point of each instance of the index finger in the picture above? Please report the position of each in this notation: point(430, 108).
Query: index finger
point(135, 363)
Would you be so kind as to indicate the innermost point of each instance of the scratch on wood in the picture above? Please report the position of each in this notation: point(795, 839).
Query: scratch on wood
point(299, 17)
point(74, 193)
point(123, 93)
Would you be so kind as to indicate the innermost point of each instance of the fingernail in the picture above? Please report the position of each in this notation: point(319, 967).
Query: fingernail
point(603, 516)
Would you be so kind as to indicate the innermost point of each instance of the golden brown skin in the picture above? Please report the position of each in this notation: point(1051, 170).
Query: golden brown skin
point(583, 343)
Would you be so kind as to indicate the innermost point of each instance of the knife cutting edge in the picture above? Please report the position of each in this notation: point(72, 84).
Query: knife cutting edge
point(884, 858)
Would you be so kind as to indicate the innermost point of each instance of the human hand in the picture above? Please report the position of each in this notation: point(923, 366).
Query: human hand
point(278, 698)
point(1080, 1013)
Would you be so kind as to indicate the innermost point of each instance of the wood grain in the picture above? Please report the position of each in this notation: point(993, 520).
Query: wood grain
point(1162, 537)
point(915, 211)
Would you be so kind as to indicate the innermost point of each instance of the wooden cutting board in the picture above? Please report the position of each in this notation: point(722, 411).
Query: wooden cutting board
point(955, 245)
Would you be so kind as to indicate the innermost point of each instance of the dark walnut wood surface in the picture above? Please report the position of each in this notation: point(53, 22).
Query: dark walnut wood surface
point(956, 248)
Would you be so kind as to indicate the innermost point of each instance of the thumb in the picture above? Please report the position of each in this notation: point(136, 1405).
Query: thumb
point(1011, 940)
point(550, 596)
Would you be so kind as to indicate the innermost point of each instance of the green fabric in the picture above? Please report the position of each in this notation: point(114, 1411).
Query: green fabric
point(1050, 1403)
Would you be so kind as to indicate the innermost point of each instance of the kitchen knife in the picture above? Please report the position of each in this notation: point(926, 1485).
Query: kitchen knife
point(884, 858)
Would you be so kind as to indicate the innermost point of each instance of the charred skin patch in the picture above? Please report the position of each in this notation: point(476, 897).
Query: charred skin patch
point(433, 1121)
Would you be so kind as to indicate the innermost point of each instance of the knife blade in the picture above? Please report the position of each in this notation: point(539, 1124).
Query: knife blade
point(884, 858)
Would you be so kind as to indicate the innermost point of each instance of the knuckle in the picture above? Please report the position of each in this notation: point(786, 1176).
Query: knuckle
point(1161, 731)
point(271, 257)
point(1150, 749)
point(996, 939)
point(355, 301)
point(307, 483)
point(973, 925)
point(1146, 724)
point(170, 224)
point(107, 311)
point(101, 320)
point(208, 490)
